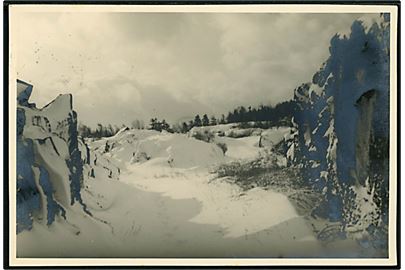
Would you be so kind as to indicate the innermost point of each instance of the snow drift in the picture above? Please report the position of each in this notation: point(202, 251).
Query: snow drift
point(165, 149)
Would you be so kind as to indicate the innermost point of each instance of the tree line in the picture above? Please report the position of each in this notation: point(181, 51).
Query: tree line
point(98, 132)
point(106, 130)
point(274, 114)
point(263, 116)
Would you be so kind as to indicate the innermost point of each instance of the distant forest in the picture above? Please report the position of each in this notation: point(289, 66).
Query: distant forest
point(263, 116)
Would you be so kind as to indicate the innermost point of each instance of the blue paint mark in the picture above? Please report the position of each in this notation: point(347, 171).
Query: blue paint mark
point(53, 208)
point(357, 64)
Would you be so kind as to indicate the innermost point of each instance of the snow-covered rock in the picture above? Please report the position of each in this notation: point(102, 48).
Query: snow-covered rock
point(203, 133)
point(342, 126)
point(233, 130)
point(49, 165)
point(269, 138)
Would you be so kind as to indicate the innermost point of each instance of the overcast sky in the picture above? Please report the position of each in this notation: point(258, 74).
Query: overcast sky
point(123, 66)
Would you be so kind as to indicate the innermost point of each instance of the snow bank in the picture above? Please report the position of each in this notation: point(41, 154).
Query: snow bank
point(165, 149)
point(241, 148)
point(240, 143)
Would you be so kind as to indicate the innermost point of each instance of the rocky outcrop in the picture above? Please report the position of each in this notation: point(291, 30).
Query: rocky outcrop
point(49, 165)
point(342, 129)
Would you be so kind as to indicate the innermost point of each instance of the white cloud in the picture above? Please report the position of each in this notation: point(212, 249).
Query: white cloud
point(125, 66)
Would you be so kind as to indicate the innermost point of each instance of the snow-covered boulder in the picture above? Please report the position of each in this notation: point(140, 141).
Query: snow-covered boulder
point(220, 129)
point(49, 164)
point(206, 133)
point(139, 156)
point(240, 133)
point(202, 133)
point(271, 137)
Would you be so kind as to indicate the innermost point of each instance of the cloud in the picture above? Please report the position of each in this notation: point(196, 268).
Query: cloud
point(122, 66)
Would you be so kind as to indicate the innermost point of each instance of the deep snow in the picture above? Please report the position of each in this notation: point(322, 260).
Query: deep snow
point(171, 205)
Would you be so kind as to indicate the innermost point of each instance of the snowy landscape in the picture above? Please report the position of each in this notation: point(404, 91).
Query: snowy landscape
point(306, 178)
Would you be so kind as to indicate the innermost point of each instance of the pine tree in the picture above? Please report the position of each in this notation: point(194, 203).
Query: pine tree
point(205, 120)
point(184, 127)
point(191, 124)
point(197, 121)
point(213, 121)
point(242, 114)
point(222, 121)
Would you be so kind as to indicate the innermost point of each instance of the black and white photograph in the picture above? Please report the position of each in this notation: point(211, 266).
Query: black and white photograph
point(228, 134)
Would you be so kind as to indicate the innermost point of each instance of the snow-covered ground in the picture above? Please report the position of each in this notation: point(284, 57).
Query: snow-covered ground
point(154, 195)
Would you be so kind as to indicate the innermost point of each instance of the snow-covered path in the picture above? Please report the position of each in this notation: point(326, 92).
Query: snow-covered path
point(177, 213)
point(238, 213)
